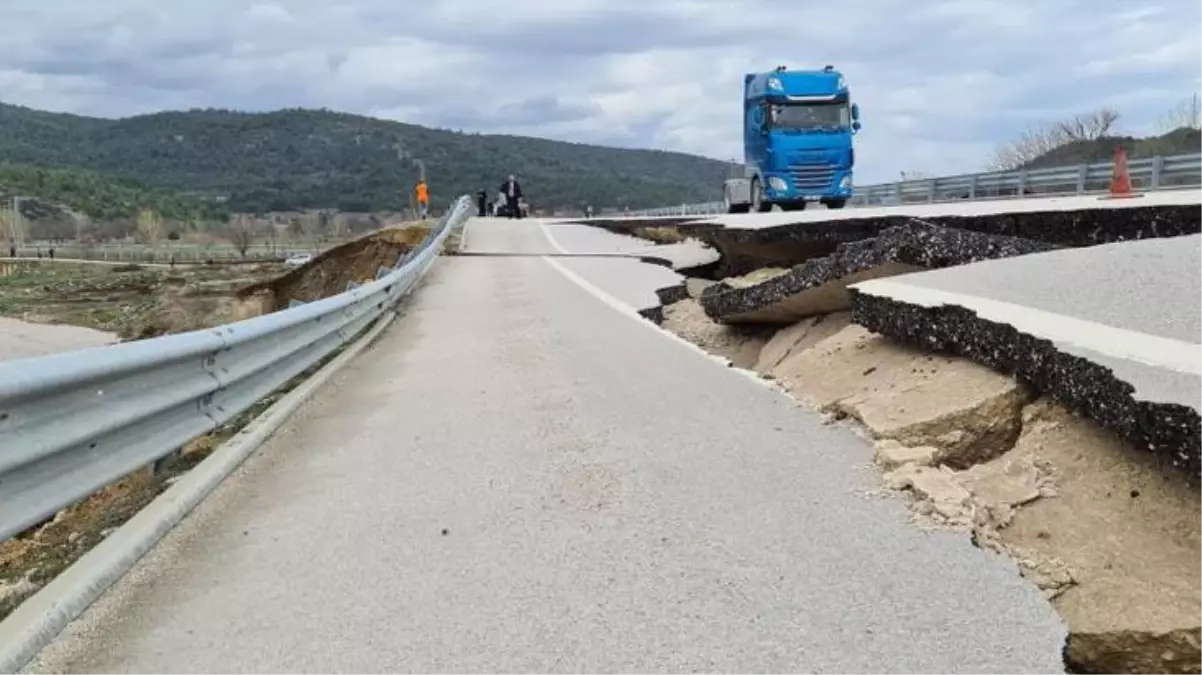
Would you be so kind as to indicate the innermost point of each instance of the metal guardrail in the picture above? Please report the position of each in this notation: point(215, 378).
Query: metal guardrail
point(72, 423)
point(1147, 174)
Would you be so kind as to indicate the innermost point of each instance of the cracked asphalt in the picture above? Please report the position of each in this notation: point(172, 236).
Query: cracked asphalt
point(520, 477)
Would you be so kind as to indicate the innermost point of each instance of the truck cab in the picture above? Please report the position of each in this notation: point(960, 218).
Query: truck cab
point(797, 141)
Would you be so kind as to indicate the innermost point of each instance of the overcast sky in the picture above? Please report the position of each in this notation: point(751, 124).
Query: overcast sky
point(939, 82)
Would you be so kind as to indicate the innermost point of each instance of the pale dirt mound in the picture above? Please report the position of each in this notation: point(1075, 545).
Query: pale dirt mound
point(1112, 539)
point(329, 273)
point(740, 345)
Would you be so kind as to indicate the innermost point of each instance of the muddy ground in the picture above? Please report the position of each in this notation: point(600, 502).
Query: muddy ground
point(141, 302)
point(132, 301)
point(1111, 537)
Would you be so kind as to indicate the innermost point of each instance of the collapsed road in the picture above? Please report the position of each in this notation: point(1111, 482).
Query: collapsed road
point(523, 475)
point(1038, 392)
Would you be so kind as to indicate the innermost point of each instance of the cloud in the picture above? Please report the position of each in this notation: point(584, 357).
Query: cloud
point(940, 82)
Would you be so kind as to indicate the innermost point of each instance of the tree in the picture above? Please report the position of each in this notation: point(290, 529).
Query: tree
point(1186, 113)
point(241, 233)
point(914, 175)
point(310, 225)
point(1039, 140)
point(150, 227)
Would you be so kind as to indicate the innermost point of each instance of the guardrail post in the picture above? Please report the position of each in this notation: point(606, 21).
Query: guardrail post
point(931, 191)
point(1022, 183)
point(159, 465)
point(972, 187)
point(1082, 172)
point(1157, 167)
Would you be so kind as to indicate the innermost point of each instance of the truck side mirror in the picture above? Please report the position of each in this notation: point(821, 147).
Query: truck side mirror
point(855, 111)
point(855, 126)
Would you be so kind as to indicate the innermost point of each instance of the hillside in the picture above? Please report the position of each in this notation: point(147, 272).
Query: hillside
point(100, 197)
point(294, 159)
point(1179, 142)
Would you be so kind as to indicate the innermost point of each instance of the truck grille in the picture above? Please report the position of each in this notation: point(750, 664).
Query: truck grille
point(812, 177)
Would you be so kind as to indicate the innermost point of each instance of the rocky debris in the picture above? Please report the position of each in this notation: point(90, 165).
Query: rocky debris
point(819, 285)
point(799, 337)
point(740, 345)
point(890, 454)
point(942, 495)
point(967, 411)
point(1169, 430)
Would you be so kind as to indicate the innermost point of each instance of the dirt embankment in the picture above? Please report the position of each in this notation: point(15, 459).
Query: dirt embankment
point(1110, 537)
point(330, 272)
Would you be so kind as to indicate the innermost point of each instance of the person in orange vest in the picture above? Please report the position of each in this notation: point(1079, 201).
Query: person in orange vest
point(423, 198)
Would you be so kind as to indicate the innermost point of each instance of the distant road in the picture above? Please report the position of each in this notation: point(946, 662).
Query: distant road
point(23, 339)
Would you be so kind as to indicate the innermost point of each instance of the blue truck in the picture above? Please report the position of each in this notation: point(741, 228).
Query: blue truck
point(797, 129)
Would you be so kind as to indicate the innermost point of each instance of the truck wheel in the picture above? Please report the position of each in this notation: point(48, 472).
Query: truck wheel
point(757, 197)
point(836, 203)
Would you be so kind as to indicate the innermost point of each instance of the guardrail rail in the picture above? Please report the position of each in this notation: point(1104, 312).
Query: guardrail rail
point(1147, 174)
point(74, 422)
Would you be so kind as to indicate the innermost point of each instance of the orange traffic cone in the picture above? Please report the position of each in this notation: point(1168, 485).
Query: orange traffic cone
point(1120, 181)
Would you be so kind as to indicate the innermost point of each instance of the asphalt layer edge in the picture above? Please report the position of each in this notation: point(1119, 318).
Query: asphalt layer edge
point(1171, 431)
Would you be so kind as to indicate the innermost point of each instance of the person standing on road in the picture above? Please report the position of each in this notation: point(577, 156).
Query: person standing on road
point(482, 198)
point(423, 198)
point(513, 195)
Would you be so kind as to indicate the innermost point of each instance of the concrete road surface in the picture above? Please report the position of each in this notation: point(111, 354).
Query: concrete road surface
point(521, 477)
point(756, 221)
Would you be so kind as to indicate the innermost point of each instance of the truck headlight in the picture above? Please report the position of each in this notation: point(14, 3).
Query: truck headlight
point(777, 183)
point(845, 183)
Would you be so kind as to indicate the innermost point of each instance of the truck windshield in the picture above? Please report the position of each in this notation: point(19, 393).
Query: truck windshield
point(810, 116)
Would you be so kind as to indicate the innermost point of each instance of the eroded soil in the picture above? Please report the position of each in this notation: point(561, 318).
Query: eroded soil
point(1111, 538)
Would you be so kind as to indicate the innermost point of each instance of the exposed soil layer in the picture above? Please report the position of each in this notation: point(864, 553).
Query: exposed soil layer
point(328, 274)
point(1107, 532)
point(819, 285)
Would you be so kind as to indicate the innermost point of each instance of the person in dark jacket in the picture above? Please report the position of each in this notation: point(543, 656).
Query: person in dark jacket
point(482, 201)
point(513, 195)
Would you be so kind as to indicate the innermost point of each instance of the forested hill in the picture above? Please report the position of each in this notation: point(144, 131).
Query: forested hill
point(295, 159)
point(1182, 141)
